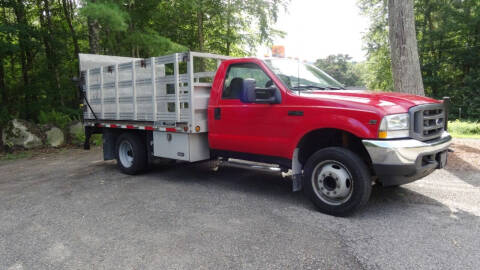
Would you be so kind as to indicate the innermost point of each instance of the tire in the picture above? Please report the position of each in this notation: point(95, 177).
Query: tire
point(337, 181)
point(131, 154)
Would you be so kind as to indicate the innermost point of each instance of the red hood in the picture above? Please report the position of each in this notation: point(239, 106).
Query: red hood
point(387, 102)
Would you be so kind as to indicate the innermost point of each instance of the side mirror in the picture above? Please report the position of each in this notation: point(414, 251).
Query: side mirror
point(247, 94)
point(251, 94)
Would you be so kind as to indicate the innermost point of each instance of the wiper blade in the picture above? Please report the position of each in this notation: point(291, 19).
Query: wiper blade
point(302, 87)
point(334, 88)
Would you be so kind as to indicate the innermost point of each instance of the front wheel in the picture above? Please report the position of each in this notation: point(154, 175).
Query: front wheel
point(337, 181)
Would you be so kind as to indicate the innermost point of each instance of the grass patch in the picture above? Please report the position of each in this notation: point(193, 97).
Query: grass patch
point(15, 156)
point(95, 140)
point(464, 129)
point(467, 136)
point(19, 154)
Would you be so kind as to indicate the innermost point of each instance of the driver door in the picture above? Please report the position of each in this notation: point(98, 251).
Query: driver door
point(248, 127)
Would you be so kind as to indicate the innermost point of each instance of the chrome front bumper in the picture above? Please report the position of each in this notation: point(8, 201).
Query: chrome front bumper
point(401, 161)
point(399, 152)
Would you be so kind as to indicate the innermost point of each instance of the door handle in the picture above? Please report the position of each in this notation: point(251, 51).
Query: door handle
point(216, 113)
point(295, 113)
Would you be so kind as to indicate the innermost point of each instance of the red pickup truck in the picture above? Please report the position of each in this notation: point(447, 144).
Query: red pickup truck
point(336, 143)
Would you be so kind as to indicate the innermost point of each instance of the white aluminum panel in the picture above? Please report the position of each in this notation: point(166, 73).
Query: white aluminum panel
point(122, 88)
point(199, 149)
point(89, 61)
point(181, 146)
point(171, 145)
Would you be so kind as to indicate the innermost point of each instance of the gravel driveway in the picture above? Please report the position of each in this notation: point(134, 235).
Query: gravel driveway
point(71, 210)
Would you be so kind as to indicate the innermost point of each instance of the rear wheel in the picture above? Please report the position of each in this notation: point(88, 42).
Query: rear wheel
point(131, 153)
point(337, 181)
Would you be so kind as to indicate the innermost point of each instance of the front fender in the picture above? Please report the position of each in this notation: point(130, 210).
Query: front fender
point(360, 126)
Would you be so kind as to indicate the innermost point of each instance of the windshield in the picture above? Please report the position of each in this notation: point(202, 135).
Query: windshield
point(298, 76)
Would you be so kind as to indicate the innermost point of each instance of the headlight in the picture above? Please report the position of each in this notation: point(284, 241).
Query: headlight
point(394, 126)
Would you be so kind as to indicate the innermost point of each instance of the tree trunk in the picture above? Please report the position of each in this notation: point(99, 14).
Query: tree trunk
point(3, 90)
point(52, 61)
point(201, 40)
point(200, 36)
point(467, 15)
point(229, 27)
point(93, 37)
point(19, 10)
point(68, 18)
point(13, 74)
point(428, 44)
point(26, 57)
point(407, 76)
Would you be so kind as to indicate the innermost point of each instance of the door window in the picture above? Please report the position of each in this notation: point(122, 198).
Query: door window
point(237, 73)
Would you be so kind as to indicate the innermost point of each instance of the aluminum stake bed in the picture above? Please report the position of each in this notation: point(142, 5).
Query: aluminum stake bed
point(167, 94)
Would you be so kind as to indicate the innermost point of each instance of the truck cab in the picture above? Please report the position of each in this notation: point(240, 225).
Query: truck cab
point(290, 113)
point(336, 143)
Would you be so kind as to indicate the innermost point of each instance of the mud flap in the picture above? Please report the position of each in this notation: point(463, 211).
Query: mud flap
point(442, 159)
point(296, 172)
point(109, 140)
point(88, 134)
point(297, 184)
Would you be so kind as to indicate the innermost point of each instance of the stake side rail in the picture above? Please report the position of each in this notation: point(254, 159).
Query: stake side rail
point(169, 92)
point(135, 125)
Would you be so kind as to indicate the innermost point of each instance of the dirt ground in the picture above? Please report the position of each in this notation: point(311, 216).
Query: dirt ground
point(466, 155)
point(68, 209)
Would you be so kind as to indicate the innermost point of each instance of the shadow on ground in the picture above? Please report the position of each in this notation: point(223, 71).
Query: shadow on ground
point(458, 165)
point(276, 188)
point(76, 210)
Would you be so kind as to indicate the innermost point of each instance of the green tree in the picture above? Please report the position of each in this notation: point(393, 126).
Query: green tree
point(342, 69)
point(40, 41)
point(378, 75)
point(448, 34)
point(223, 26)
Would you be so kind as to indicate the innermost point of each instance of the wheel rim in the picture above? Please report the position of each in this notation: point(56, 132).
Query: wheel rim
point(332, 182)
point(125, 153)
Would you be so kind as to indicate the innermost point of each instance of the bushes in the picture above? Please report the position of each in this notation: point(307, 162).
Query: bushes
point(79, 139)
point(55, 118)
point(464, 128)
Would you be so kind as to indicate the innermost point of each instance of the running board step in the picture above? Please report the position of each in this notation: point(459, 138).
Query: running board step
point(245, 164)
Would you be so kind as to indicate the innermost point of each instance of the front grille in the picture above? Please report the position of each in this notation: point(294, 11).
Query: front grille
point(427, 121)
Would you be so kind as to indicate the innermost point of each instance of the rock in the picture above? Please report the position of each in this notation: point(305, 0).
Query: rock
point(55, 137)
point(76, 129)
point(19, 133)
point(76, 133)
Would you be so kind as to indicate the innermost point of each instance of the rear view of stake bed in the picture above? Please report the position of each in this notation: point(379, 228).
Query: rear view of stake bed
point(194, 106)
